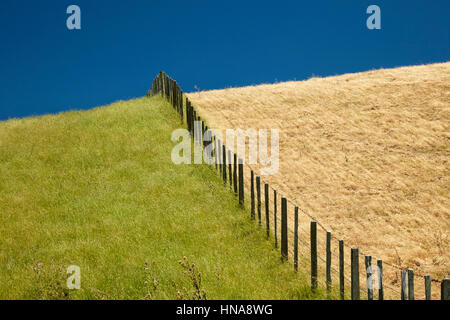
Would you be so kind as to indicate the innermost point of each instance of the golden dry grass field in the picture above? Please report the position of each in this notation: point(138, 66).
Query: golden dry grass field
point(365, 154)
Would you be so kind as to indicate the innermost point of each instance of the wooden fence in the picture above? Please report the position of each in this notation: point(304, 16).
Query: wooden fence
point(222, 156)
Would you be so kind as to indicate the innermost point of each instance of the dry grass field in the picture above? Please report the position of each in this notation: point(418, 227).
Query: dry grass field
point(365, 154)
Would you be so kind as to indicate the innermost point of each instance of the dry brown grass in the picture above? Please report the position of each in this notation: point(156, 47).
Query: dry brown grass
point(366, 154)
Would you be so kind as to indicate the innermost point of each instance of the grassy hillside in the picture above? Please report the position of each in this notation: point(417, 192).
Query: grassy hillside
point(97, 189)
point(365, 154)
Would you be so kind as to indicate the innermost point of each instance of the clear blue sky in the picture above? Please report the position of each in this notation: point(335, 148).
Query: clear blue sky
point(45, 68)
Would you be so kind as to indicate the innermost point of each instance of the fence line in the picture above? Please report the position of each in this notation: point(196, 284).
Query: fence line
point(168, 88)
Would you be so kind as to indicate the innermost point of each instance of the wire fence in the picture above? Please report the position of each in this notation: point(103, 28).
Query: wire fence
point(291, 234)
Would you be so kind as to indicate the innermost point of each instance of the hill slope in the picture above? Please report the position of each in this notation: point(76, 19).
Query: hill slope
point(365, 154)
point(97, 189)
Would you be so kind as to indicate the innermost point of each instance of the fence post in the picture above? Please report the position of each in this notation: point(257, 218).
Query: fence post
point(230, 171)
point(427, 279)
point(194, 127)
point(198, 129)
point(174, 96)
point(224, 171)
point(191, 113)
point(161, 84)
point(215, 152)
point(252, 195)
point(207, 136)
point(202, 142)
point(258, 198)
point(403, 295)
point(167, 87)
point(275, 217)
point(355, 273)
point(235, 175)
point(328, 261)
point(188, 116)
point(368, 263)
point(410, 284)
point(296, 239)
point(266, 203)
point(219, 149)
point(180, 102)
point(341, 269)
point(313, 240)
point(380, 280)
point(241, 182)
point(445, 289)
point(192, 117)
point(284, 230)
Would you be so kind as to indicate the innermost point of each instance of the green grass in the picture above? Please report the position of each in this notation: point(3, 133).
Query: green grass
point(97, 189)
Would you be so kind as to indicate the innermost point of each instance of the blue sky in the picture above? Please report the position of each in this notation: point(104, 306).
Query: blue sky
point(46, 68)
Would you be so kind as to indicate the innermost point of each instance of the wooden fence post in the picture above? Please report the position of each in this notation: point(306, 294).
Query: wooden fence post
point(284, 230)
point(161, 84)
point(174, 96)
point(355, 273)
point(252, 195)
point(192, 111)
point(230, 170)
point(179, 102)
point(202, 142)
point(380, 280)
point(410, 284)
point(275, 217)
point(313, 240)
point(266, 204)
point(219, 149)
point(199, 131)
point(403, 294)
point(215, 152)
point(167, 86)
point(235, 182)
point(445, 289)
point(328, 261)
point(341, 270)
point(368, 263)
point(194, 132)
point(194, 127)
point(258, 198)
point(188, 116)
point(224, 168)
point(296, 239)
point(241, 182)
point(427, 279)
point(207, 137)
